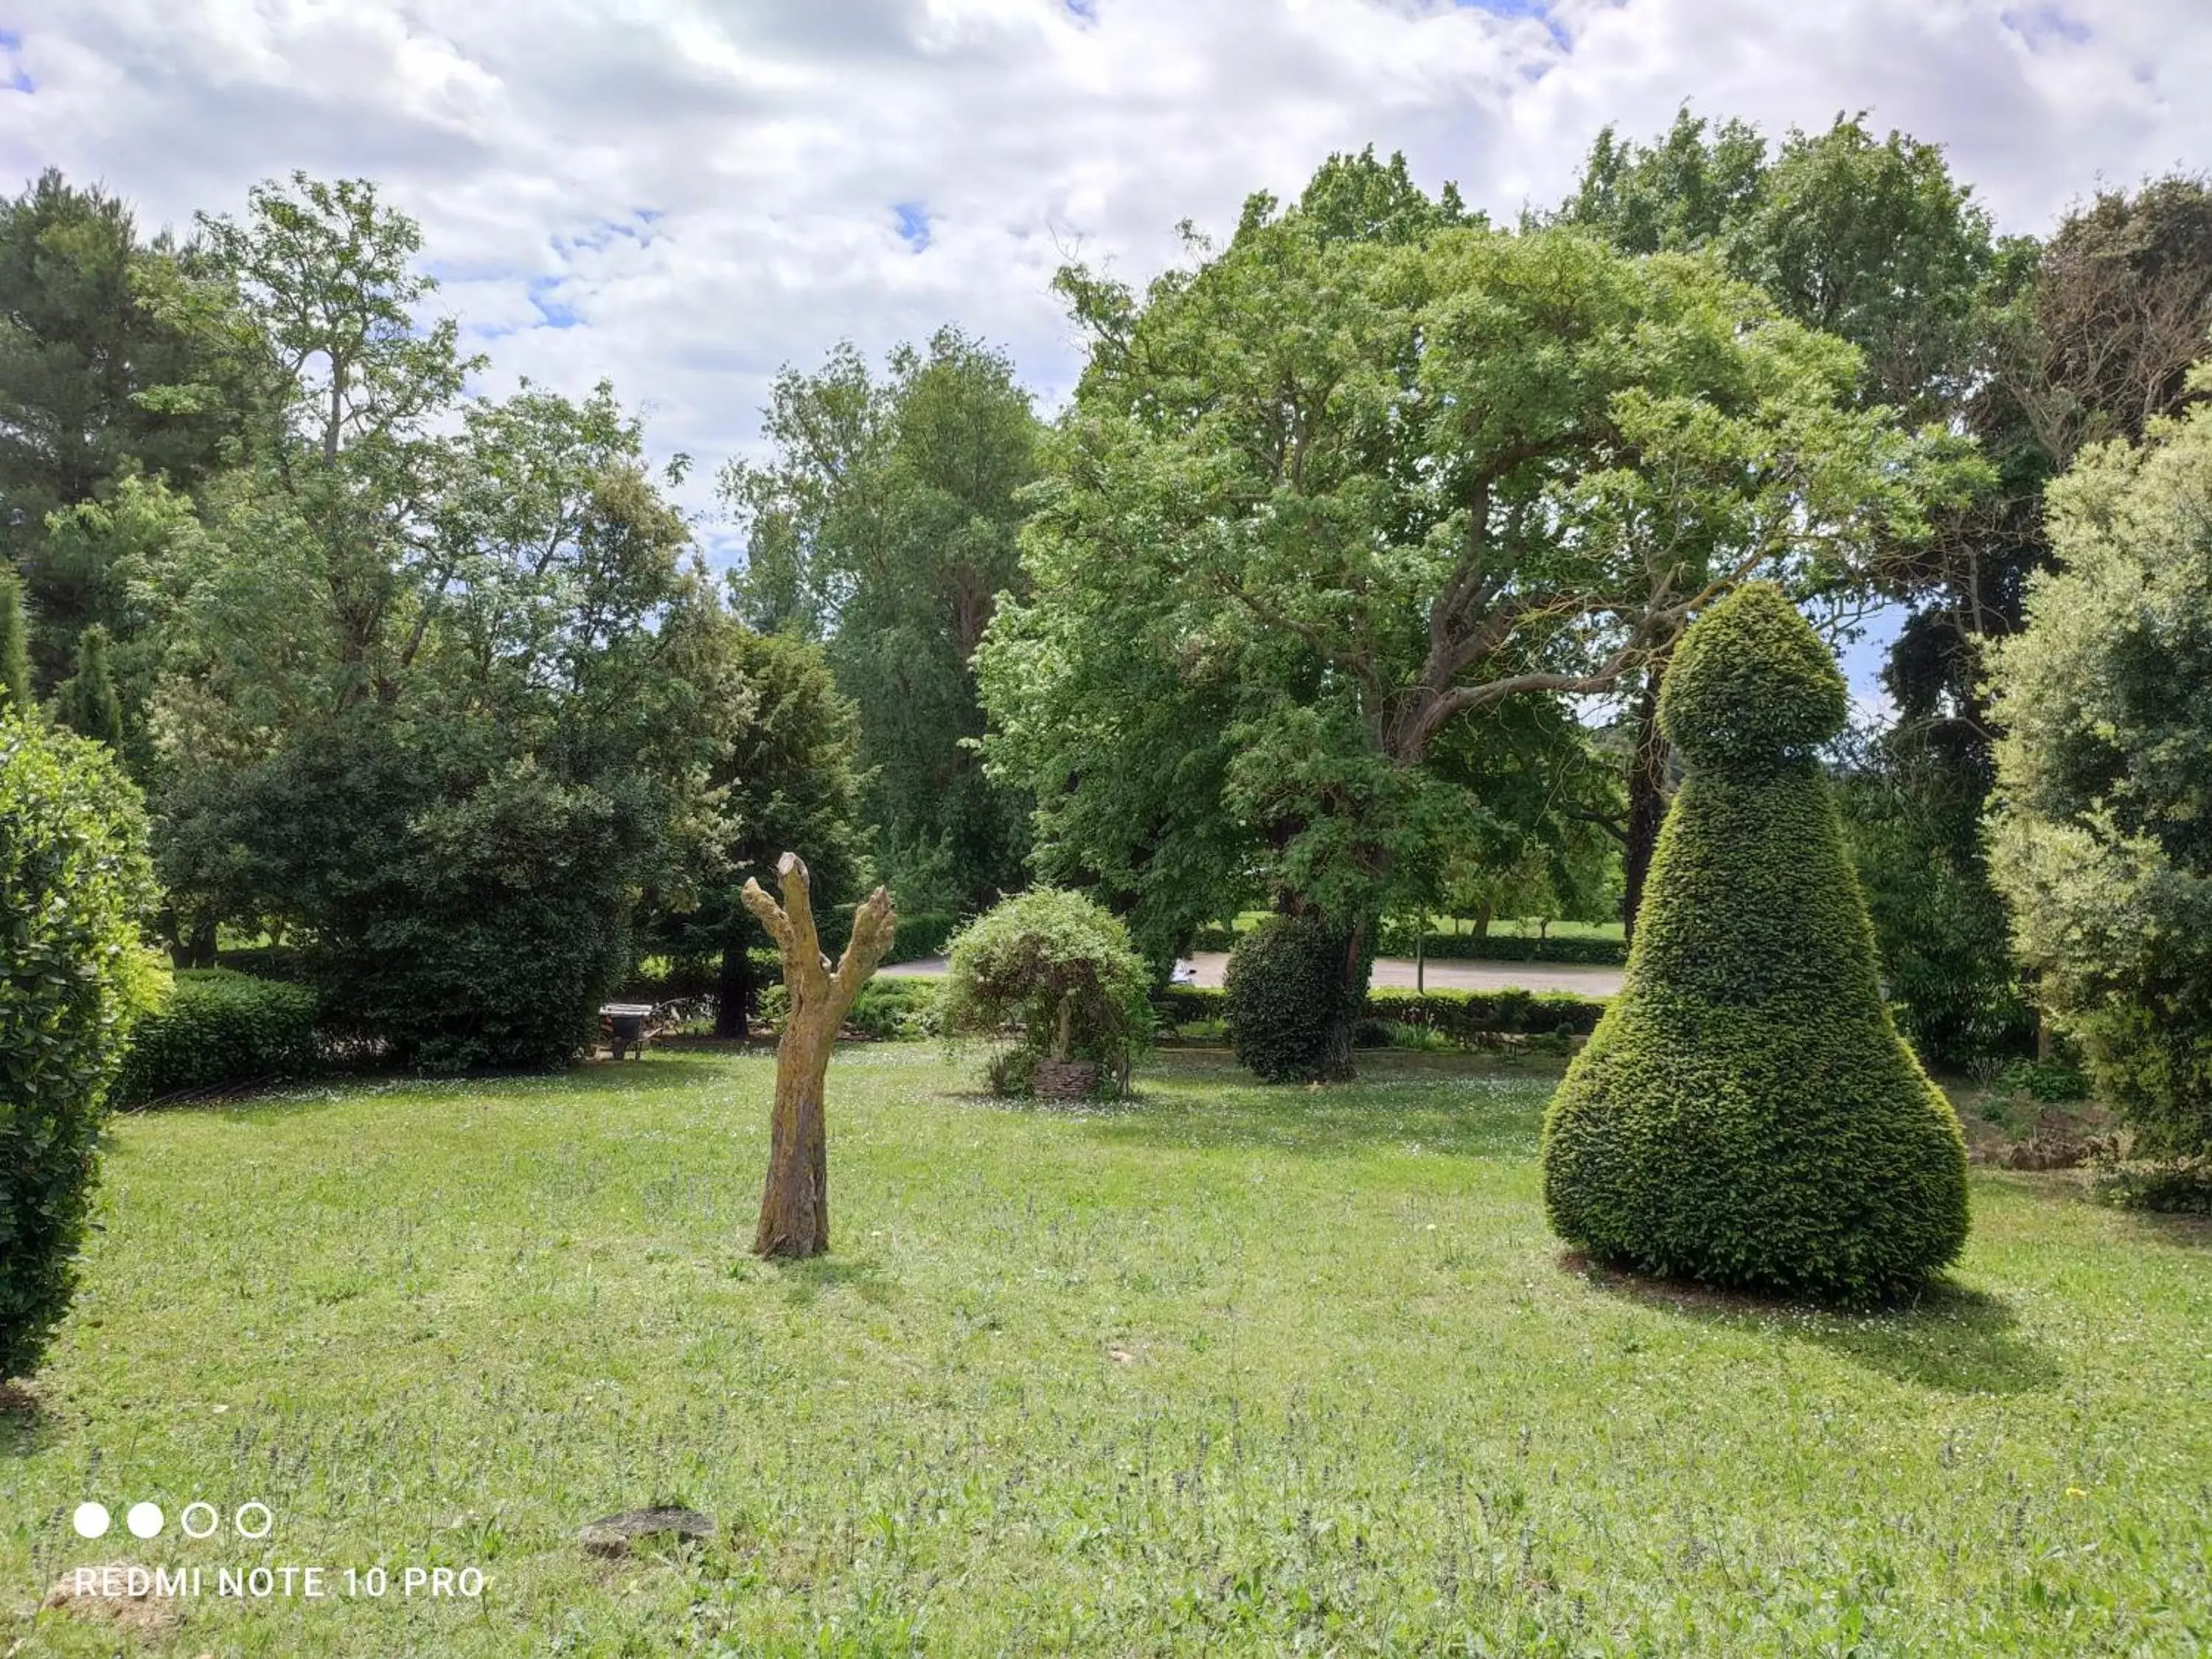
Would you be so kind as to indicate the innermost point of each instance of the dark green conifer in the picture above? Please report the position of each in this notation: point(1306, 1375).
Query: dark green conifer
point(15, 648)
point(1746, 1113)
point(88, 705)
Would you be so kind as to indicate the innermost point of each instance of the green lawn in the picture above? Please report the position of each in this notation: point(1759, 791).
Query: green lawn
point(1228, 1370)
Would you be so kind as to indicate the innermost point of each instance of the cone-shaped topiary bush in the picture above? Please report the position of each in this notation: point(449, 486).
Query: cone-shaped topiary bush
point(1746, 1113)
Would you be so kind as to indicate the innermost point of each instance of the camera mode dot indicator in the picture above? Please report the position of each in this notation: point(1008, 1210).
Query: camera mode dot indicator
point(90, 1520)
point(144, 1519)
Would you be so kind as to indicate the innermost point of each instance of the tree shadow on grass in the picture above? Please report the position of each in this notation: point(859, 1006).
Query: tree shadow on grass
point(804, 1282)
point(2178, 1228)
point(261, 1101)
point(1454, 1104)
point(1950, 1338)
point(24, 1428)
point(2189, 1233)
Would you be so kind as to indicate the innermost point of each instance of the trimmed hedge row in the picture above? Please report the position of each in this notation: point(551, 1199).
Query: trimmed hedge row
point(1398, 940)
point(924, 934)
point(1463, 1015)
point(220, 1027)
point(888, 1008)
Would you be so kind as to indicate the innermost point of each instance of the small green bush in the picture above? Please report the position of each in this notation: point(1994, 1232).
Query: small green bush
point(1011, 1073)
point(1290, 1013)
point(76, 891)
point(277, 962)
point(2053, 1082)
point(1469, 1014)
point(220, 1027)
point(1368, 1032)
point(1055, 975)
point(2179, 1185)
point(1746, 1113)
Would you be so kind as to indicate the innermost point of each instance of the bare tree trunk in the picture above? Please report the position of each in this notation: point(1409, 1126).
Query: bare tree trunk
point(1336, 1064)
point(794, 1218)
point(1647, 797)
point(733, 990)
point(196, 948)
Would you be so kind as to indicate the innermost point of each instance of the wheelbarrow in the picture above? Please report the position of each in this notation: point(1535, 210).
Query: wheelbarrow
point(626, 1025)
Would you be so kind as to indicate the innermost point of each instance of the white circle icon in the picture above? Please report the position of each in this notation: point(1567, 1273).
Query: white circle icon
point(90, 1520)
point(245, 1531)
point(144, 1519)
point(206, 1528)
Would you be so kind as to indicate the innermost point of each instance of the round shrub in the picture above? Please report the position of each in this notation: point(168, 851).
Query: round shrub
point(1746, 1113)
point(220, 1027)
point(1289, 1008)
point(76, 888)
point(1057, 976)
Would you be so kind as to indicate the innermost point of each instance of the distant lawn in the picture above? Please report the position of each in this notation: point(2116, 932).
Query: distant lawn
point(1230, 1369)
point(1500, 926)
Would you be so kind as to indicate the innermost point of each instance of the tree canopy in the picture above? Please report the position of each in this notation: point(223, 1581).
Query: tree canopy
point(884, 525)
point(2100, 822)
point(1320, 501)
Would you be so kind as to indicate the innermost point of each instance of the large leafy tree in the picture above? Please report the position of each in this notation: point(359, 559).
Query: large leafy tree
point(1867, 239)
point(779, 745)
point(884, 525)
point(1871, 239)
point(1323, 501)
point(2088, 336)
point(2100, 814)
point(415, 701)
point(104, 373)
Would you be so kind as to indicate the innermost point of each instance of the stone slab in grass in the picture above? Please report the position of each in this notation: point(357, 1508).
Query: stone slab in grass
point(615, 1535)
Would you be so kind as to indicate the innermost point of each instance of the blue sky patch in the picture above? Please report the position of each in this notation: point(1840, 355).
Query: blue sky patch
point(20, 80)
point(2038, 24)
point(912, 224)
point(545, 294)
point(1539, 9)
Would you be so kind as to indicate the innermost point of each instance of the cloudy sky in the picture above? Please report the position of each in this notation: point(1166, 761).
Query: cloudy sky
point(685, 194)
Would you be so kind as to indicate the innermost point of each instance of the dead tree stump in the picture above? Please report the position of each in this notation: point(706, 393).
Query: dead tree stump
point(794, 1218)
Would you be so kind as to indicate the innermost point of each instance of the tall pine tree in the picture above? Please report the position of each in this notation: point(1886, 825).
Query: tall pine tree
point(14, 646)
point(88, 705)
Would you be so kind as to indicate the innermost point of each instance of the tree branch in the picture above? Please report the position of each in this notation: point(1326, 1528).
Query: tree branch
point(874, 923)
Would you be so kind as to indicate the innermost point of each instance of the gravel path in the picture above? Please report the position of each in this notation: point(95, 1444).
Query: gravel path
point(1398, 971)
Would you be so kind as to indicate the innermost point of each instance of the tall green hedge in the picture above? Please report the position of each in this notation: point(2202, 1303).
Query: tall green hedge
point(76, 889)
point(220, 1027)
point(1746, 1113)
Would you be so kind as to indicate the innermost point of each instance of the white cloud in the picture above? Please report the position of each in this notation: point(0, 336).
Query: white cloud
point(701, 191)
